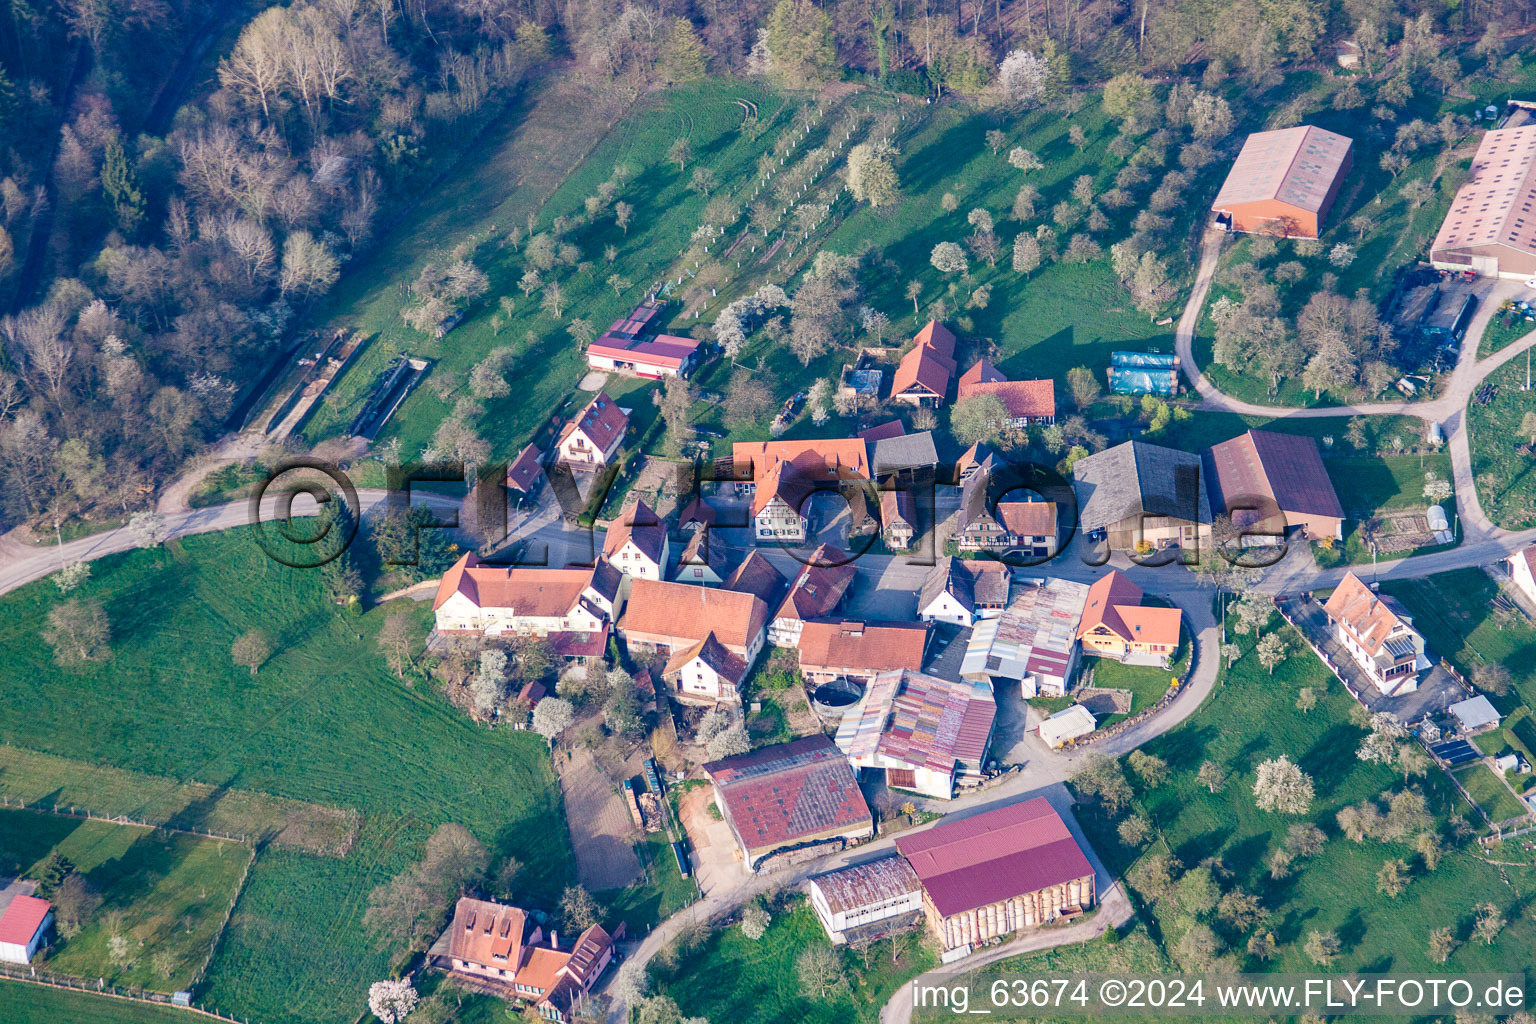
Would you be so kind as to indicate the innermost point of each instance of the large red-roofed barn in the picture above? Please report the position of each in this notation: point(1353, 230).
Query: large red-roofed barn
point(791, 795)
point(1284, 182)
point(996, 873)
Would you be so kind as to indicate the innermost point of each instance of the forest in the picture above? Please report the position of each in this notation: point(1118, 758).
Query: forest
point(184, 181)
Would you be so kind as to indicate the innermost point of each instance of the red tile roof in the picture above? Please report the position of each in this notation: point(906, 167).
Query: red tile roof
point(820, 586)
point(1371, 617)
point(981, 860)
point(697, 511)
point(543, 593)
point(524, 472)
point(883, 431)
point(712, 653)
point(638, 522)
point(22, 919)
point(1028, 518)
point(790, 792)
point(1115, 603)
point(863, 646)
point(981, 372)
point(676, 614)
point(1022, 399)
point(489, 934)
point(756, 575)
point(601, 421)
point(930, 363)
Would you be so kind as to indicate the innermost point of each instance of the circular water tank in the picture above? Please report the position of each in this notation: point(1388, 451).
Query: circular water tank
point(830, 700)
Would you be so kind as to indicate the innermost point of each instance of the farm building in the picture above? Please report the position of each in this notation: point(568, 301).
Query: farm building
point(756, 575)
point(901, 452)
point(926, 733)
point(1255, 475)
point(1116, 624)
point(791, 795)
point(961, 591)
point(898, 517)
point(499, 949)
point(1024, 401)
point(1144, 373)
point(1284, 182)
point(1034, 640)
point(625, 347)
point(1144, 495)
point(923, 375)
point(859, 650)
point(24, 921)
point(1026, 526)
point(996, 873)
point(781, 476)
point(1377, 632)
point(1490, 229)
point(867, 901)
point(1067, 725)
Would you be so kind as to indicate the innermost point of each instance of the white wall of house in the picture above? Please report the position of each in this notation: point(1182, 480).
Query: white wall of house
point(778, 521)
point(577, 449)
point(785, 632)
point(1397, 684)
point(946, 608)
point(631, 561)
point(697, 679)
point(1520, 575)
point(838, 922)
point(459, 613)
point(17, 953)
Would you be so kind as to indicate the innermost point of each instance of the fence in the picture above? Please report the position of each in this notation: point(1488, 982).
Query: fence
point(33, 976)
point(118, 819)
point(218, 935)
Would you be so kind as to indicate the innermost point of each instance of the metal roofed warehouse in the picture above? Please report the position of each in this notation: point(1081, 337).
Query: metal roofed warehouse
point(1491, 228)
point(1284, 182)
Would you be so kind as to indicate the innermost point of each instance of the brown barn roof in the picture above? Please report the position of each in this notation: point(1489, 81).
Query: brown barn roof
point(863, 646)
point(986, 858)
point(490, 934)
point(1286, 468)
point(1028, 518)
point(1296, 166)
point(756, 575)
point(790, 792)
point(819, 587)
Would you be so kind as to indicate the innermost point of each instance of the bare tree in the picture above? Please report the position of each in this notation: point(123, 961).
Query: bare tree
point(251, 650)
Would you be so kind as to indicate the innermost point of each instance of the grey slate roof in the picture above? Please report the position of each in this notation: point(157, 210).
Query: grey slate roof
point(1135, 478)
point(907, 451)
point(971, 582)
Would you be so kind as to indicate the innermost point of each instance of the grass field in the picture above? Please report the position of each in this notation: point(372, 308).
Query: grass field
point(324, 723)
point(1251, 717)
point(22, 1003)
point(660, 894)
point(764, 987)
point(1497, 336)
point(1506, 483)
point(1147, 683)
point(1489, 792)
point(164, 893)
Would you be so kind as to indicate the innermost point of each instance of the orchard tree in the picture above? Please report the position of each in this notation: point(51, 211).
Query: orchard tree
point(1022, 78)
point(391, 1001)
point(78, 631)
point(1281, 786)
point(1212, 776)
point(949, 258)
point(251, 650)
point(1272, 650)
point(871, 174)
point(552, 716)
point(1026, 254)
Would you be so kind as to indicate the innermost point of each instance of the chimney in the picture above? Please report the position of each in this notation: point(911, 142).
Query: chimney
point(554, 939)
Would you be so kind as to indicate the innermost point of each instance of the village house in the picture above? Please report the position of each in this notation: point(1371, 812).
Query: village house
point(706, 673)
point(996, 873)
point(790, 796)
point(24, 922)
point(1033, 641)
point(962, 591)
point(898, 517)
point(572, 608)
point(1284, 182)
point(1026, 402)
point(815, 594)
point(781, 476)
point(978, 458)
point(858, 651)
point(625, 348)
point(526, 474)
point(922, 377)
point(697, 515)
point(498, 949)
point(867, 901)
point(981, 525)
point(1067, 726)
point(1117, 624)
point(590, 441)
point(704, 561)
point(672, 617)
point(923, 732)
point(1142, 498)
point(1273, 484)
point(636, 542)
point(1378, 634)
point(1522, 571)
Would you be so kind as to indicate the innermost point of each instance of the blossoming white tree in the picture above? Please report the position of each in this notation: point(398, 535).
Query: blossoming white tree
point(391, 1001)
point(1022, 76)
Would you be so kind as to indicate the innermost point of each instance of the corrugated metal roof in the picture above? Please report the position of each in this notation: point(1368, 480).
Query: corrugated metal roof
point(864, 884)
point(1296, 165)
point(920, 720)
point(1495, 206)
point(977, 861)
